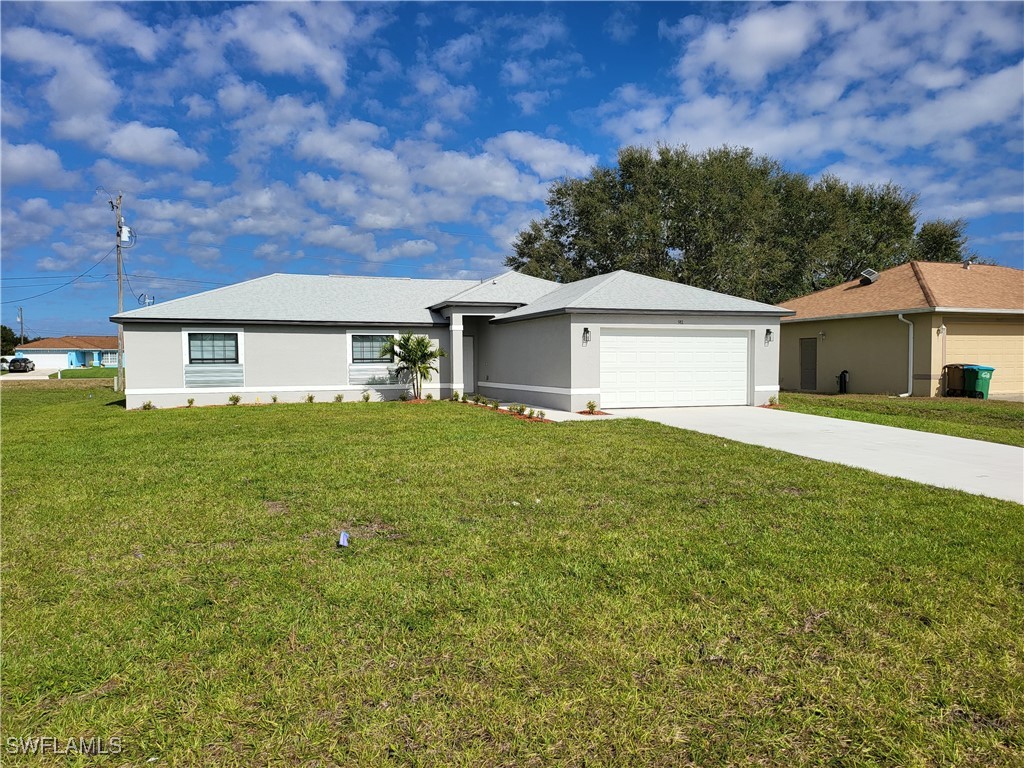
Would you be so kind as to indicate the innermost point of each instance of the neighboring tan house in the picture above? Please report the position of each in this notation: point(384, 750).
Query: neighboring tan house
point(895, 333)
point(621, 339)
point(70, 352)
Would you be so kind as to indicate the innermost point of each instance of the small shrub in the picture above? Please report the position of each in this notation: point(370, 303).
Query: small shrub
point(191, 402)
point(478, 399)
point(529, 413)
point(366, 397)
point(339, 398)
point(591, 406)
point(494, 404)
point(310, 398)
point(428, 396)
point(273, 398)
point(464, 398)
point(541, 415)
point(404, 396)
point(455, 397)
point(235, 399)
point(148, 406)
point(773, 400)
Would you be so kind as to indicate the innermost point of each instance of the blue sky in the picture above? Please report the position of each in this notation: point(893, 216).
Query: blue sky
point(417, 139)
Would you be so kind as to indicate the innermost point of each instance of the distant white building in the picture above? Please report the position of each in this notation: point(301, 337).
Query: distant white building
point(71, 352)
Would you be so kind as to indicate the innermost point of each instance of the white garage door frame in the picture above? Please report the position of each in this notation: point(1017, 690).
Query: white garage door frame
point(645, 367)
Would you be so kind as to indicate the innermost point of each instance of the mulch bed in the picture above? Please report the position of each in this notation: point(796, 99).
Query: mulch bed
point(593, 413)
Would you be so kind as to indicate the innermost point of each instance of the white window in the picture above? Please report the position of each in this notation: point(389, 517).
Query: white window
point(109, 358)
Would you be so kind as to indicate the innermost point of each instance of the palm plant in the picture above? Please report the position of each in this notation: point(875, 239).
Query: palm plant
point(416, 357)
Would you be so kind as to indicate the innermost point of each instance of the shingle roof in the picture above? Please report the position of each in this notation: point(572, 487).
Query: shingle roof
point(311, 299)
point(917, 286)
point(624, 291)
point(73, 342)
point(507, 288)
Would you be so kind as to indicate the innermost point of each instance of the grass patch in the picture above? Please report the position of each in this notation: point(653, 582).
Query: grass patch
point(994, 421)
point(609, 593)
point(95, 372)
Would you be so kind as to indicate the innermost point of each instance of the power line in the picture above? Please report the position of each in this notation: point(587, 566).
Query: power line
point(62, 285)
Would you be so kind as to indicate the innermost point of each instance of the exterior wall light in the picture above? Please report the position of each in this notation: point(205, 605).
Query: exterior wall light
point(821, 335)
point(586, 335)
point(768, 336)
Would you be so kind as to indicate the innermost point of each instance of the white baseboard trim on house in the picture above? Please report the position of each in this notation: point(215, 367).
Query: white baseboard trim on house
point(544, 390)
point(252, 390)
point(766, 388)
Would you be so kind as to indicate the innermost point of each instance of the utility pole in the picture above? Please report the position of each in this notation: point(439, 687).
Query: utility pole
point(21, 322)
point(118, 223)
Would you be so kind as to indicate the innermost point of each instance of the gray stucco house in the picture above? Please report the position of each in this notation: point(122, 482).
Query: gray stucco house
point(621, 339)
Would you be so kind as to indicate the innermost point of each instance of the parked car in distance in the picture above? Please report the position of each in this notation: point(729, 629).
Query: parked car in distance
point(3, 363)
point(22, 364)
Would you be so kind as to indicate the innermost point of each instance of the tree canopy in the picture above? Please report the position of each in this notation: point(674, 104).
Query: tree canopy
point(727, 220)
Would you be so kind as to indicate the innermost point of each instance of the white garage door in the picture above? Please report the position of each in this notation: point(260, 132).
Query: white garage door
point(657, 368)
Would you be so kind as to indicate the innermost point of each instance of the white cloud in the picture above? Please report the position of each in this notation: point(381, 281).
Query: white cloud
point(33, 164)
point(537, 32)
point(751, 47)
point(405, 249)
point(452, 101)
point(529, 102)
point(151, 146)
point(108, 24)
point(198, 106)
point(80, 92)
point(343, 239)
point(457, 56)
point(620, 26)
point(545, 157)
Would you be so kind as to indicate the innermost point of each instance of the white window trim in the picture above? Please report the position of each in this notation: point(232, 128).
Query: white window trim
point(184, 342)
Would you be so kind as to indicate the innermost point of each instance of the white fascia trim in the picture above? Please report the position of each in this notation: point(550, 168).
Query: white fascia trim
point(766, 388)
point(545, 390)
point(255, 390)
point(895, 312)
point(967, 311)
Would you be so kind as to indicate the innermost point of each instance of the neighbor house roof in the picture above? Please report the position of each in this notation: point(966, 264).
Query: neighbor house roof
point(508, 288)
point(321, 299)
point(918, 286)
point(624, 291)
point(73, 342)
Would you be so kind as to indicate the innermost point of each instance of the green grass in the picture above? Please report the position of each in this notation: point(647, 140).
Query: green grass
point(95, 372)
point(994, 421)
point(604, 594)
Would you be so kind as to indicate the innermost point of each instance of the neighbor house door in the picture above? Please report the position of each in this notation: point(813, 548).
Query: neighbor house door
point(809, 364)
point(468, 367)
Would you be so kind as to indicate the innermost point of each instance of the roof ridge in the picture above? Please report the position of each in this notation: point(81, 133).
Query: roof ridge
point(929, 297)
point(600, 284)
point(203, 293)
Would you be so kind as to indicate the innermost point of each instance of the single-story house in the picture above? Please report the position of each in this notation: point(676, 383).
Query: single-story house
point(70, 352)
point(620, 339)
point(893, 331)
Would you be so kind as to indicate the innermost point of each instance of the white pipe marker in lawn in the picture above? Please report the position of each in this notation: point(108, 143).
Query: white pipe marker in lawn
point(343, 539)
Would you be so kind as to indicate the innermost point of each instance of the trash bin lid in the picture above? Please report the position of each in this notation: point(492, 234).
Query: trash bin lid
point(979, 368)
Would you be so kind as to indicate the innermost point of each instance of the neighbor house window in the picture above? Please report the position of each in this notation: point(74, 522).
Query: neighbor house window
point(212, 348)
point(366, 349)
point(109, 358)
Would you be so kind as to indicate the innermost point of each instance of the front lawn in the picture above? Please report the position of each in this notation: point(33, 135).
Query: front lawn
point(94, 372)
point(994, 421)
point(601, 593)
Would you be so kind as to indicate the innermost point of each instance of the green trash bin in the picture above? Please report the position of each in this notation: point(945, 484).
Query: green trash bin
point(977, 379)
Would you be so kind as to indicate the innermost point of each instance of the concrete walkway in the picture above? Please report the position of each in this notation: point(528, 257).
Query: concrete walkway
point(986, 469)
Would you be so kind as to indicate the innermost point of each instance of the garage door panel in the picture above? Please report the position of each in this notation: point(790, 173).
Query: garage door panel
point(999, 344)
point(650, 368)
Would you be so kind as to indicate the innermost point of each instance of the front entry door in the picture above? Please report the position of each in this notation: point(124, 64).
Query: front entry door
point(809, 364)
point(468, 368)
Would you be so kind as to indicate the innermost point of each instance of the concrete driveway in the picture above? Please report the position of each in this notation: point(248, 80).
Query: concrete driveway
point(986, 469)
point(37, 375)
